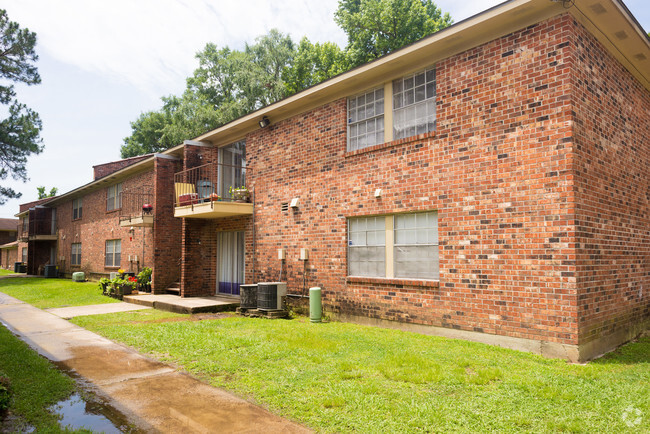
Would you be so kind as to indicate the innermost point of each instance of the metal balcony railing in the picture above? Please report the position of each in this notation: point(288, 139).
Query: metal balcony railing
point(211, 183)
point(136, 204)
point(37, 227)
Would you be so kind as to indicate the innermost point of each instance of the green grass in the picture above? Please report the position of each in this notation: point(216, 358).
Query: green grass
point(337, 377)
point(4, 272)
point(50, 293)
point(35, 383)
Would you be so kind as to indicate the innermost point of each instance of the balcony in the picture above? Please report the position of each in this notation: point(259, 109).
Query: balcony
point(38, 230)
point(137, 210)
point(205, 192)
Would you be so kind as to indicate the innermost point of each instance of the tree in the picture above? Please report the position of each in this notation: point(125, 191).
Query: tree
point(226, 85)
point(20, 131)
point(43, 195)
point(314, 63)
point(378, 27)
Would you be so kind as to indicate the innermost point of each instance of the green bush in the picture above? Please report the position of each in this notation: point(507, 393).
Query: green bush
point(5, 394)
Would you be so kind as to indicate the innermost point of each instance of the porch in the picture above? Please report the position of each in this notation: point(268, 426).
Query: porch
point(212, 191)
point(187, 305)
point(137, 209)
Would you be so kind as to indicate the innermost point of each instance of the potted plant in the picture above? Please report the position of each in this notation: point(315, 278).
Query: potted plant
point(144, 280)
point(104, 284)
point(240, 194)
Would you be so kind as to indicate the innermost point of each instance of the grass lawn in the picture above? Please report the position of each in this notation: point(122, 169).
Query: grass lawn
point(337, 377)
point(36, 385)
point(4, 272)
point(49, 293)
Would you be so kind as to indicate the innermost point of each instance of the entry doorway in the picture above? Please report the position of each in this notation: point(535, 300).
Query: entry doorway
point(230, 262)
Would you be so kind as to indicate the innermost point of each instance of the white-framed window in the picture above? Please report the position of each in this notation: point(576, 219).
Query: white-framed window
point(114, 197)
point(367, 246)
point(25, 223)
point(77, 209)
point(366, 119)
point(113, 253)
point(24, 253)
point(414, 104)
point(415, 247)
point(394, 246)
point(75, 258)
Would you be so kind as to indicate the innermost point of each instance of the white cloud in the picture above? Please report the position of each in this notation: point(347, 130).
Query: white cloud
point(151, 43)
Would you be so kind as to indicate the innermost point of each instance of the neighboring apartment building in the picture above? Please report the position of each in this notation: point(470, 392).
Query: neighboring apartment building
point(488, 182)
point(8, 243)
point(107, 224)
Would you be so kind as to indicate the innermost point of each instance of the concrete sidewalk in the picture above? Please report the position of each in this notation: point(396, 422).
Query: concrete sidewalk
point(94, 309)
point(150, 394)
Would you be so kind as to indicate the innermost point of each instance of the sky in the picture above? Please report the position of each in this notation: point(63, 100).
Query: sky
point(103, 63)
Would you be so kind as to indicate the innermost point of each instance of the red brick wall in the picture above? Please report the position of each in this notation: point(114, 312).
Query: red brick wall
point(97, 226)
point(497, 171)
point(102, 170)
point(612, 185)
point(8, 258)
point(167, 228)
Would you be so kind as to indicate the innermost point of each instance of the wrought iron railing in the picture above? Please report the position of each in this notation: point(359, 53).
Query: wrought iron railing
point(45, 226)
point(136, 204)
point(211, 183)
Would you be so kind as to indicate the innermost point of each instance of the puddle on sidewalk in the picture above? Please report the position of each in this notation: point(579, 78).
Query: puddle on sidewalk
point(76, 414)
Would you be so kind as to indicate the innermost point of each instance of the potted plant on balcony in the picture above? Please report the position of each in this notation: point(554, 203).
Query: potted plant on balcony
point(240, 194)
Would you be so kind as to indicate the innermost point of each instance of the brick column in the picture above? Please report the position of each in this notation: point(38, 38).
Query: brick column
point(167, 228)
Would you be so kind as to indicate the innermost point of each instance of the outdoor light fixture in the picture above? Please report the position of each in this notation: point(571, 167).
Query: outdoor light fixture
point(264, 122)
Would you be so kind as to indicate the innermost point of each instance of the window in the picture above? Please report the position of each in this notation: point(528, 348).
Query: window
point(113, 253)
point(366, 119)
point(414, 104)
point(25, 223)
point(394, 246)
point(77, 209)
point(24, 255)
point(114, 197)
point(367, 246)
point(76, 254)
point(416, 246)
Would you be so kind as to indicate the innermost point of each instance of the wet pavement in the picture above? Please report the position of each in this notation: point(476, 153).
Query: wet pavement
point(151, 395)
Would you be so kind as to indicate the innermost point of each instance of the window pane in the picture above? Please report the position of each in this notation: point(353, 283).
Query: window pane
point(414, 109)
point(417, 262)
point(365, 112)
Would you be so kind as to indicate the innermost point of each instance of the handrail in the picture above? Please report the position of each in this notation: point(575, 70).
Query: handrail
point(209, 183)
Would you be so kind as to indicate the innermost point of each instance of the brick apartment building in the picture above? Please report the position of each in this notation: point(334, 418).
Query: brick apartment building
point(8, 243)
point(102, 226)
point(489, 182)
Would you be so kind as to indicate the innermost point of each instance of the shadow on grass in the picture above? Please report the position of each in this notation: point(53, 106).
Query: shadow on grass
point(633, 353)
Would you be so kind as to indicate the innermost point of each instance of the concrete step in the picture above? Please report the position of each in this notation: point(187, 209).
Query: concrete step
point(189, 305)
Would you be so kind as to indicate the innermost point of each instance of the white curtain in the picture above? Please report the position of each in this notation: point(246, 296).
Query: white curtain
point(230, 265)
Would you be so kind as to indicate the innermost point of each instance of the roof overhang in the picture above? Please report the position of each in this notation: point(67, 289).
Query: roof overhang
point(633, 51)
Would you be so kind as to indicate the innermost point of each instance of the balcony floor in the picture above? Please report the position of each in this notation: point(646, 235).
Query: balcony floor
point(213, 210)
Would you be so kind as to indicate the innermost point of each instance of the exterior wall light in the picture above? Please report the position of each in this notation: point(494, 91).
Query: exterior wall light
point(264, 122)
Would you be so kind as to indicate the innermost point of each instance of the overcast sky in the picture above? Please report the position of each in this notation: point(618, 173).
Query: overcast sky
point(102, 63)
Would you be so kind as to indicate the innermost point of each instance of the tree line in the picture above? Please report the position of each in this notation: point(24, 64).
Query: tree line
point(230, 83)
